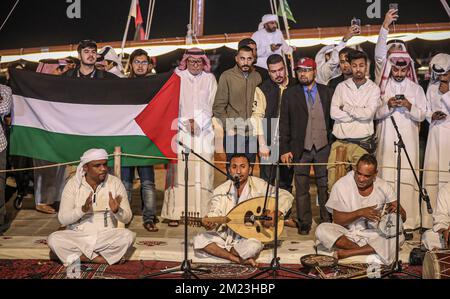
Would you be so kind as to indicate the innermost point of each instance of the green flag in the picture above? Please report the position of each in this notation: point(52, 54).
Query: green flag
point(287, 10)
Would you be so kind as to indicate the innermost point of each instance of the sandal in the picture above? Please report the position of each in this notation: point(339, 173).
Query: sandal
point(47, 209)
point(150, 226)
point(291, 223)
point(173, 223)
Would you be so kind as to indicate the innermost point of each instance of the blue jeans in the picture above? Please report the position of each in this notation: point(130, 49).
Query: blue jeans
point(148, 194)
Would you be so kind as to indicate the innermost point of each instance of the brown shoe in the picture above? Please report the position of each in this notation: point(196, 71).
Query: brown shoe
point(47, 209)
point(150, 226)
point(173, 223)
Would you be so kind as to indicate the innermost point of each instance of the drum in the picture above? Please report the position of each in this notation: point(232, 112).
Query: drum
point(388, 225)
point(436, 265)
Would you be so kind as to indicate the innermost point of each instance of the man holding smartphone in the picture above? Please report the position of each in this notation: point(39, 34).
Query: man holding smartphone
point(383, 47)
point(405, 101)
point(437, 155)
point(269, 40)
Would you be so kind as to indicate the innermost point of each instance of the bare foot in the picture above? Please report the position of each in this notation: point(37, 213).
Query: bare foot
point(249, 261)
point(343, 253)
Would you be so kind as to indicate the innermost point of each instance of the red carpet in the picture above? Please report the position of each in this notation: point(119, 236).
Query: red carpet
point(44, 269)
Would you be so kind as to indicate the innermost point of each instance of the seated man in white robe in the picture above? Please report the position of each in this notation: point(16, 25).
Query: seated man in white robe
point(357, 202)
point(223, 242)
point(92, 204)
point(438, 236)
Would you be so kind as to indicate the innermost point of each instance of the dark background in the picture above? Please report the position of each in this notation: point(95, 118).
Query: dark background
point(40, 23)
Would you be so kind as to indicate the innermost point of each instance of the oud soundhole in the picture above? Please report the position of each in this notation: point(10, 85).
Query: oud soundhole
point(258, 210)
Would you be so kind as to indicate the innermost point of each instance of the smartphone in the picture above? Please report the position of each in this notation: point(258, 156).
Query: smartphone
point(399, 96)
point(278, 45)
point(393, 6)
point(356, 22)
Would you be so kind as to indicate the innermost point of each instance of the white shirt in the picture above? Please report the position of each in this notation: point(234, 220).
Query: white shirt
point(345, 197)
point(327, 70)
point(74, 197)
point(360, 105)
point(196, 99)
point(263, 41)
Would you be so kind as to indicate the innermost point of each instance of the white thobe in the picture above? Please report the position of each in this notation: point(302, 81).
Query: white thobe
point(355, 120)
point(196, 100)
point(437, 154)
point(263, 41)
point(345, 197)
point(327, 70)
point(408, 125)
point(223, 201)
point(92, 233)
point(441, 220)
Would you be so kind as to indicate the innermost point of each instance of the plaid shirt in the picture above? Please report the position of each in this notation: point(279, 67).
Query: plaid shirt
point(5, 106)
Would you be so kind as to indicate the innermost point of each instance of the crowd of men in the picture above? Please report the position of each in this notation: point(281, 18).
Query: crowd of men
point(331, 112)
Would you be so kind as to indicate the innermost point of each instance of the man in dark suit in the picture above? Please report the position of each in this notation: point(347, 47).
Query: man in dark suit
point(305, 137)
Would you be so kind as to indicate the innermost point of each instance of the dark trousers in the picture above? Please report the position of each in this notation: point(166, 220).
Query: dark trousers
point(302, 196)
point(286, 175)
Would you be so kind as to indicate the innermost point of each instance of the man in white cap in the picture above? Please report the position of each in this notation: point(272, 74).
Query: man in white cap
point(92, 204)
point(437, 154)
point(269, 40)
point(328, 58)
point(405, 101)
point(197, 92)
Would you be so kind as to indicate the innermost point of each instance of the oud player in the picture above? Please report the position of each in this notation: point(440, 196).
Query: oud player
point(219, 241)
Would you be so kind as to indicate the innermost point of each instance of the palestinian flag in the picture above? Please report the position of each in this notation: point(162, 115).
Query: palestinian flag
point(57, 118)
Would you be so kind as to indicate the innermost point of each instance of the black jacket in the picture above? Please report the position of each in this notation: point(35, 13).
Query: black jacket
point(294, 118)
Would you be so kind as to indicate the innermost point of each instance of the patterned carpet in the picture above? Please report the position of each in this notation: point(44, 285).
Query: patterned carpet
point(44, 269)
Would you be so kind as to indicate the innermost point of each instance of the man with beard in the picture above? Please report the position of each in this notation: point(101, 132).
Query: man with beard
point(357, 202)
point(305, 137)
point(353, 108)
point(87, 53)
point(345, 68)
point(92, 204)
point(405, 101)
point(233, 105)
point(266, 113)
point(252, 45)
point(269, 40)
point(139, 62)
point(437, 154)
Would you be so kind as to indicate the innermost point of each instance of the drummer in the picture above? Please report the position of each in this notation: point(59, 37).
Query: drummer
point(220, 241)
point(438, 236)
point(358, 201)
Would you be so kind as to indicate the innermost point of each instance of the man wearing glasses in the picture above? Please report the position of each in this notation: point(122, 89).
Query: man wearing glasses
point(140, 67)
point(195, 130)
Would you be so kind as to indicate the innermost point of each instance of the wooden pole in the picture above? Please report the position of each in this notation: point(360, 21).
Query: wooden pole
point(198, 15)
point(117, 161)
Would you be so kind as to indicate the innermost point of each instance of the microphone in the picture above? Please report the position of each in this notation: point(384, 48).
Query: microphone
point(426, 198)
point(236, 181)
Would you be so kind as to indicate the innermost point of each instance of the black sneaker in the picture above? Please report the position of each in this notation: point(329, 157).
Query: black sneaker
point(304, 229)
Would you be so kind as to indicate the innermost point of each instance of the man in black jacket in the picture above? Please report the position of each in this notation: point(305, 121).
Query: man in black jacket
point(305, 133)
point(266, 112)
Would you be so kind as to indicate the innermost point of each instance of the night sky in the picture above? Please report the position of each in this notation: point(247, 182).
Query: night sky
point(40, 23)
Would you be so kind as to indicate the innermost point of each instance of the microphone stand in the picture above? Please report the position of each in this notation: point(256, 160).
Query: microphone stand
point(275, 265)
point(397, 265)
point(186, 266)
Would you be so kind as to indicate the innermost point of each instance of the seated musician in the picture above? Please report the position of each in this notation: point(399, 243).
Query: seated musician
point(222, 242)
point(357, 201)
point(438, 236)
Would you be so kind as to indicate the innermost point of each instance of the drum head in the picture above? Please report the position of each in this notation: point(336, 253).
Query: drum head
point(387, 225)
point(318, 260)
